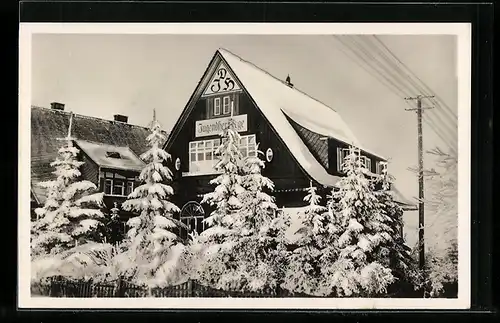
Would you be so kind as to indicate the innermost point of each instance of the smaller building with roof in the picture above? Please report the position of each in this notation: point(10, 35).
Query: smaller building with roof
point(110, 150)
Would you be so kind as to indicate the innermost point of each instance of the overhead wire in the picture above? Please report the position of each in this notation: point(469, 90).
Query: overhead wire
point(423, 83)
point(407, 76)
point(450, 124)
point(390, 84)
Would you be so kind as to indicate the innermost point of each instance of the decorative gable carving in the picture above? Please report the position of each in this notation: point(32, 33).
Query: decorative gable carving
point(222, 81)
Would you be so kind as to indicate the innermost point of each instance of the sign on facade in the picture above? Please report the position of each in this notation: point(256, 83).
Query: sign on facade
point(216, 126)
point(222, 81)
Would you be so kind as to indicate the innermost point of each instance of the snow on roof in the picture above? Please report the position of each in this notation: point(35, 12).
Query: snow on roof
point(109, 156)
point(273, 97)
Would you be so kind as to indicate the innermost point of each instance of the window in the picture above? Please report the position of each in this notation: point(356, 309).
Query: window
point(248, 147)
point(118, 187)
point(203, 157)
point(116, 184)
point(367, 162)
point(341, 155)
point(217, 106)
point(381, 167)
point(192, 215)
point(130, 187)
point(113, 154)
point(108, 186)
point(227, 105)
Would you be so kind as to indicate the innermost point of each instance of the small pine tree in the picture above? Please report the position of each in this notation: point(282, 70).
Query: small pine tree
point(304, 271)
point(362, 244)
point(258, 208)
point(153, 231)
point(218, 241)
point(225, 196)
point(71, 214)
point(399, 257)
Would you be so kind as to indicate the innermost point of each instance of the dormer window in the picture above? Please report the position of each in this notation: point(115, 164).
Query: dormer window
point(113, 154)
point(342, 153)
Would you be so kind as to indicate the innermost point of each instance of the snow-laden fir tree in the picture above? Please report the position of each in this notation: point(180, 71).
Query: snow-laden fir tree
point(225, 197)
point(71, 214)
point(261, 255)
point(303, 274)
point(361, 268)
point(220, 238)
point(399, 257)
point(154, 231)
point(441, 206)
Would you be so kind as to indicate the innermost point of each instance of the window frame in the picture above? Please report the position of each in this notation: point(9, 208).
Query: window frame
point(367, 161)
point(193, 151)
point(113, 178)
point(217, 107)
point(228, 98)
point(341, 157)
point(206, 148)
point(187, 220)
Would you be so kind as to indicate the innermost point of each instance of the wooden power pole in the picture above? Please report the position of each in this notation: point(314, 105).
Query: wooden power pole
point(421, 220)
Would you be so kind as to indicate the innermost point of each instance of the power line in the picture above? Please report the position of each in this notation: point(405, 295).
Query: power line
point(391, 85)
point(405, 77)
point(406, 67)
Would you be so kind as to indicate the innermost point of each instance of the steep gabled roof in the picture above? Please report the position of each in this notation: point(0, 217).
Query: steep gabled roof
point(280, 103)
point(47, 125)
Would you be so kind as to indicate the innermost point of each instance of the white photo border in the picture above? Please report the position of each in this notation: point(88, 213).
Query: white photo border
point(461, 30)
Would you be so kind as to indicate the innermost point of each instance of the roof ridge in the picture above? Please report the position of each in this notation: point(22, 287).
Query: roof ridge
point(86, 117)
point(274, 77)
point(100, 143)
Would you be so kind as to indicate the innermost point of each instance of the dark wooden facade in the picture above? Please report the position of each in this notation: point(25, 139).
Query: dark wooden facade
point(283, 170)
point(288, 176)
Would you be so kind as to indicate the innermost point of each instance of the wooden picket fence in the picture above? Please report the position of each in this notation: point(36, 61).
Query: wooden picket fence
point(62, 287)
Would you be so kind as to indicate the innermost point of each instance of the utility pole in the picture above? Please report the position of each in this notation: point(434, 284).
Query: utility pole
point(421, 219)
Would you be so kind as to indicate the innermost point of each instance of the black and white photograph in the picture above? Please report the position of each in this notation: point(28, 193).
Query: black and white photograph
point(244, 165)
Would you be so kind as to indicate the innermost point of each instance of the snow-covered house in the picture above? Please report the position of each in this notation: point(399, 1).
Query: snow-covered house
point(109, 148)
point(302, 139)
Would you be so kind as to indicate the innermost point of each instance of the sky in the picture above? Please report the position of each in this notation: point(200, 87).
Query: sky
point(101, 75)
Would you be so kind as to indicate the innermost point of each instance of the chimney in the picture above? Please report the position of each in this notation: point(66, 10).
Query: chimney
point(120, 118)
point(288, 81)
point(57, 106)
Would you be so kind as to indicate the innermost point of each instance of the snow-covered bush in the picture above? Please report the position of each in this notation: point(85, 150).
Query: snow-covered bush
point(153, 232)
point(71, 214)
